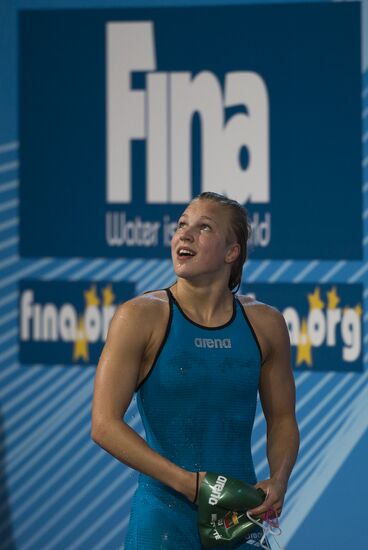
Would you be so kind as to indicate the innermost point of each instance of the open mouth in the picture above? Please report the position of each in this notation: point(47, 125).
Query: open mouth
point(185, 252)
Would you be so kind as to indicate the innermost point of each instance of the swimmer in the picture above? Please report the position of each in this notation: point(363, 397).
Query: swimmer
point(196, 355)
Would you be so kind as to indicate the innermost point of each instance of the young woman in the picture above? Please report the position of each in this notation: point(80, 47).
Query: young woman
point(196, 355)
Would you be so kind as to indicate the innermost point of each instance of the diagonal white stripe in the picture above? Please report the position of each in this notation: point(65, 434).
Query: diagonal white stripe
point(12, 297)
point(78, 542)
point(21, 441)
point(8, 186)
point(299, 405)
point(26, 409)
point(8, 353)
point(104, 543)
point(139, 275)
point(8, 166)
point(358, 274)
point(256, 273)
point(319, 434)
point(26, 271)
point(306, 420)
point(311, 461)
point(57, 517)
point(9, 335)
point(168, 279)
point(152, 279)
point(33, 489)
point(337, 267)
point(6, 372)
point(9, 243)
point(72, 503)
point(75, 412)
point(330, 461)
point(93, 504)
point(128, 270)
point(10, 146)
point(305, 271)
point(66, 467)
point(87, 269)
point(8, 224)
point(110, 509)
point(31, 517)
point(9, 261)
point(59, 270)
point(23, 374)
point(299, 380)
point(13, 203)
point(114, 266)
point(284, 267)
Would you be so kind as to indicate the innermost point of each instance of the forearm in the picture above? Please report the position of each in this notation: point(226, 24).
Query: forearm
point(117, 438)
point(282, 448)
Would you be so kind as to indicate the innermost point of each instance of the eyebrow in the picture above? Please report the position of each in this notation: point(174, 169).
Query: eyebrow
point(201, 217)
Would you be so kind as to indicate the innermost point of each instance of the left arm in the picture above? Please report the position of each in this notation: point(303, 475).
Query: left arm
point(277, 393)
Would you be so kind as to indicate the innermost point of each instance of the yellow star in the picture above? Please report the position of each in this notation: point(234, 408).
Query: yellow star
point(333, 299)
point(81, 342)
point(315, 301)
point(358, 310)
point(91, 297)
point(108, 296)
point(304, 354)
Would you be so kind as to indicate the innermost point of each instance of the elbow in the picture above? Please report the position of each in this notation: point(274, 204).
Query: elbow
point(105, 430)
point(98, 432)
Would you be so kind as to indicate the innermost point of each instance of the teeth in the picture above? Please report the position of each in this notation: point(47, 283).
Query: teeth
point(185, 252)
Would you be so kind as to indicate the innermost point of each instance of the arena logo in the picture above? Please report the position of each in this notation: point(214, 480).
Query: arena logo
point(212, 343)
point(51, 323)
point(217, 489)
point(161, 114)
point(325, 324)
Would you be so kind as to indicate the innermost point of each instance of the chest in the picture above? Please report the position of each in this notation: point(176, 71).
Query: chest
point(205, 363)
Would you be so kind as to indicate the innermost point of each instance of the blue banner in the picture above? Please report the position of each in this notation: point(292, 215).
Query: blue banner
point(127, 114)
point(324, 323)
point(64, 322)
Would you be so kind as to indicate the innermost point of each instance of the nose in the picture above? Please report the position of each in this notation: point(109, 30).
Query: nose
point(186, 234)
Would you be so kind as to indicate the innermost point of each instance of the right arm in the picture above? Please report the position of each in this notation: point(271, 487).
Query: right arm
point(117, 376)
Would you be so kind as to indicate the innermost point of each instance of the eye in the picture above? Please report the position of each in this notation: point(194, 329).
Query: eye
point(206, 227)
point(180, 225)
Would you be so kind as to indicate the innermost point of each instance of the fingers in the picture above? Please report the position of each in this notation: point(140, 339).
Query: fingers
point(272, 501)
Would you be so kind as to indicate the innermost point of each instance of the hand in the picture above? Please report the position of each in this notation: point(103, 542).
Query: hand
point(275, 493)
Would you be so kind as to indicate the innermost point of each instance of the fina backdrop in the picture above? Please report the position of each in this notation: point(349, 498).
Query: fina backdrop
point(115, 114)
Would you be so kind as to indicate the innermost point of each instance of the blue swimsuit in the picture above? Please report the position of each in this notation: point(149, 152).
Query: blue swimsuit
point(197, 406)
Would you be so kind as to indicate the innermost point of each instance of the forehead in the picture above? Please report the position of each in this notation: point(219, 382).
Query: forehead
point(205, 208)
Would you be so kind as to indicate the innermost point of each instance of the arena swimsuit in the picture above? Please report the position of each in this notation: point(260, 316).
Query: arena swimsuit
point(197, 405)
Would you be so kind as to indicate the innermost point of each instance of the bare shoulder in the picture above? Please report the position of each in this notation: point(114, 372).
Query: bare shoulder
point(140, 317)
point(257, 309)
point(267, 321)
point(143, 306)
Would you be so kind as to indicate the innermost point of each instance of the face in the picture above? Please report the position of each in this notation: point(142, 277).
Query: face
point(200, 246)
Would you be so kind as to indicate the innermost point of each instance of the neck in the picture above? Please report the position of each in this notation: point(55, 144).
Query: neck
point(209, 303)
